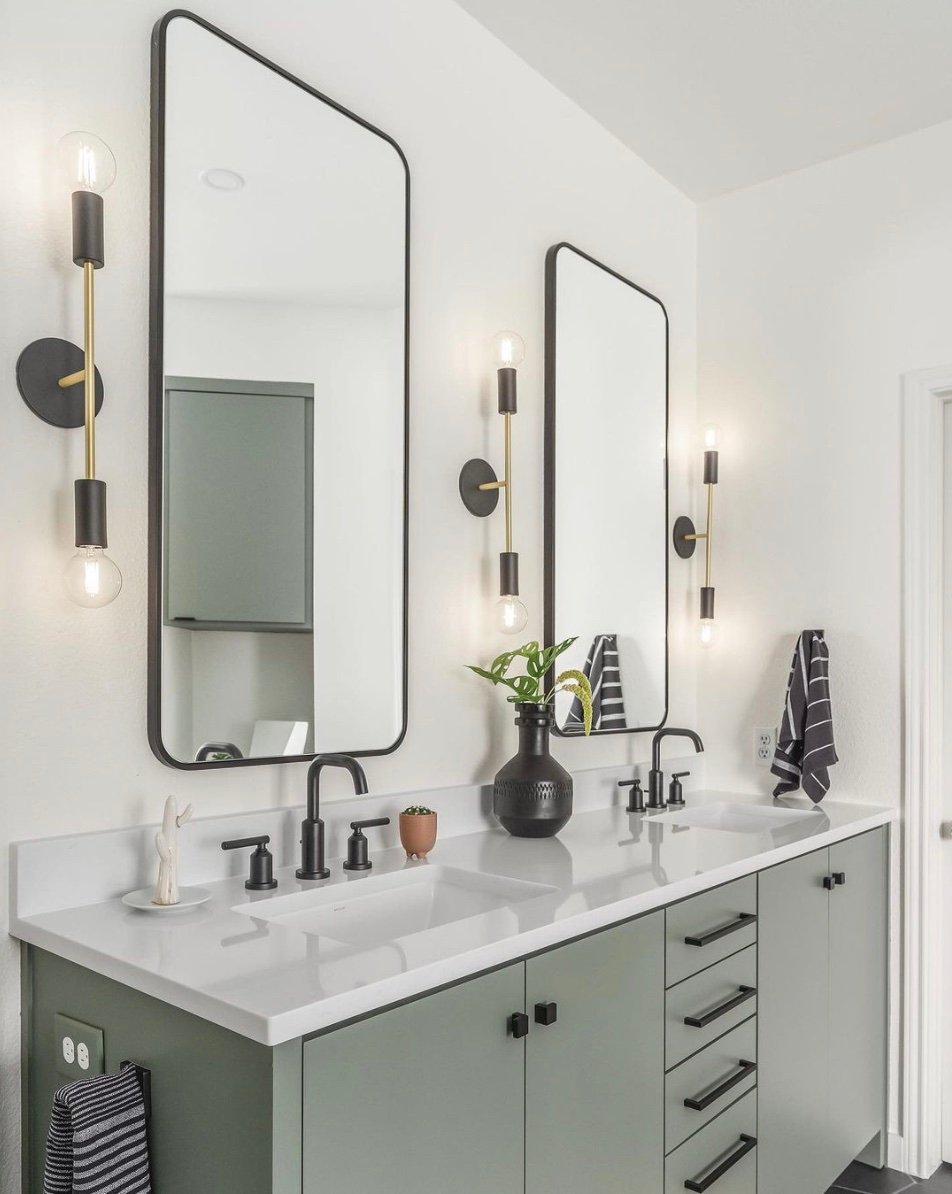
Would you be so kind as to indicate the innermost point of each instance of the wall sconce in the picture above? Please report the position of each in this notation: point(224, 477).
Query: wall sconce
point(50, 371)
point(479, 486)
point(686, 537)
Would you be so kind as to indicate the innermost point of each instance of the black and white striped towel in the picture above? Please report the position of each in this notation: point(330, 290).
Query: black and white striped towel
point(805, 750)
point(608, 704)
point(97, 1140)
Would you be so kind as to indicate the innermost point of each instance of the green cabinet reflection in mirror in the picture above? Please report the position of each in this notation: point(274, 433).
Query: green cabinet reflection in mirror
point(239, 461)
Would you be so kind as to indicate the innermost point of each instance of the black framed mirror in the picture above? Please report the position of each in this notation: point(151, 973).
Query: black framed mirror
point(606, 500)
point(278, 413)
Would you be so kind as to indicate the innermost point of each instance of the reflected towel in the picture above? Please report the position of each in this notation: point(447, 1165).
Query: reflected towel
point(608, 704)
point(805, 750)
point(97, 1139)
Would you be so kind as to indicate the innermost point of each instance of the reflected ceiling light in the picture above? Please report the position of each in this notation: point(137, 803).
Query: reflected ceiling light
point(49, 371)
point(220, 179)
point(687, 537)
point(479, 486)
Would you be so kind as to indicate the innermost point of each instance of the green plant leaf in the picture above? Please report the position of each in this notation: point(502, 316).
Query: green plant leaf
point(577, 683)
point(482, 672)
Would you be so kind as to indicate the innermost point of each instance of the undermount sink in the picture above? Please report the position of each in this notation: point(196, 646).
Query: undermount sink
point(735, 818)
point(379, 908)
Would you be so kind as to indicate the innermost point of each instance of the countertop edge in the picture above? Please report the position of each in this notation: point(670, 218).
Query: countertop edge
point(336, 1010)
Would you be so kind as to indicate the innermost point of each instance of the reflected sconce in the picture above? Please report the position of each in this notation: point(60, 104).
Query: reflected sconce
point(59, 381)
point(686, 537)
point(479, 486)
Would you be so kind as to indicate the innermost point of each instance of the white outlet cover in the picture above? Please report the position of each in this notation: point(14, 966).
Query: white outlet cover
point(82, 1056)
point(69, 1051)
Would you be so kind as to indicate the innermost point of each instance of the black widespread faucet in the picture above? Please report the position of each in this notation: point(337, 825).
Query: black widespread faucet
point(312, 827)
point(656, 775)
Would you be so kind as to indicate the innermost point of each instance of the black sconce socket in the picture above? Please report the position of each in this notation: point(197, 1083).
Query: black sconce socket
point(506, 389)
point(508, 574)
point(88, 239)
point(90, 506)
point(710, 467)
point(707, 602)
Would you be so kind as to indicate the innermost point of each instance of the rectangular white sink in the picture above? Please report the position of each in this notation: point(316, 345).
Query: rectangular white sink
point(373, 909)
point(734, 818)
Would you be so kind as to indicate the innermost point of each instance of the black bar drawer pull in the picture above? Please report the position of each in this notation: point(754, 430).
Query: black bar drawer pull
point(742, 921)
point(743, 994)
point(700, 1185)
point(702, 1102)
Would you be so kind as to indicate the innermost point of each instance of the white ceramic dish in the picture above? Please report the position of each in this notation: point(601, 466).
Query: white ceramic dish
point(189, 897)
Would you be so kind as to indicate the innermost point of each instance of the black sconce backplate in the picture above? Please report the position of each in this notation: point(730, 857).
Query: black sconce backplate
point(39, 368)
point(685, 547)
point(474, 473)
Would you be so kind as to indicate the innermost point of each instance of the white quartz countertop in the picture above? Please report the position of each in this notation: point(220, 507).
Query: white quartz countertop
point(271, 981)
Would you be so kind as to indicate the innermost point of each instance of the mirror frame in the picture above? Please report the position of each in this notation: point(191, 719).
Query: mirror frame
point(549, 482)
point(157, 405)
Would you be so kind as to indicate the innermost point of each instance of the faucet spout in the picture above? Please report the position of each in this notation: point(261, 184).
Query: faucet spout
point(656, 775)
point(312, 827)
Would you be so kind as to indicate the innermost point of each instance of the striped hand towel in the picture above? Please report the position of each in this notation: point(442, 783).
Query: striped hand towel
point(608, 704)
point(805, 750)
point(97, 1140)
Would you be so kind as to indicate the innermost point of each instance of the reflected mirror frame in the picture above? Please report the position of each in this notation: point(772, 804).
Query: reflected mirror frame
point(549, 556)
point(156, 393)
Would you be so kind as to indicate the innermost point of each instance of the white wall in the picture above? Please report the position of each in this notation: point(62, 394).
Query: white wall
point(502, 167)
point(816, 292)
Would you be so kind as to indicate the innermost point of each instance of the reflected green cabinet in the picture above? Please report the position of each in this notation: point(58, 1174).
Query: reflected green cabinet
point(440, 1094)
point(822, 1014)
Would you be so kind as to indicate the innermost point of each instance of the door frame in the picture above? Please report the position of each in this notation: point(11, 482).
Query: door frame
point(925, 393)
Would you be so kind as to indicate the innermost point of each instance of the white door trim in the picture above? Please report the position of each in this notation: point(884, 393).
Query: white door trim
point(925, 392)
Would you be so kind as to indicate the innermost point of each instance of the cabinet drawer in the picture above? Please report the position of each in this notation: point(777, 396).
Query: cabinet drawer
point(708, 927)
point(707, 1005)
point(721, 1158)
point(711, 1081)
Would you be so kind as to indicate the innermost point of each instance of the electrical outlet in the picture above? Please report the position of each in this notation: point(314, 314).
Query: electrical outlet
point(80, 1051)
point(765, 743)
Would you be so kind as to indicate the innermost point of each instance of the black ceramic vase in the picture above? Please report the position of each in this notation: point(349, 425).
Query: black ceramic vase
point(532, 795)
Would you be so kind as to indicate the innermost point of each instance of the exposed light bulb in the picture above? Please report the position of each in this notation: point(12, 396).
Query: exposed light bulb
point(509, 349)
point(512, 614)
point(711, 436)
point(706, 633)
point(91, 578)
point(86, 162)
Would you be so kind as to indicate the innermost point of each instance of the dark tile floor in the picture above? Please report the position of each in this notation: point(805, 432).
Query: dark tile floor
point(861, 1179)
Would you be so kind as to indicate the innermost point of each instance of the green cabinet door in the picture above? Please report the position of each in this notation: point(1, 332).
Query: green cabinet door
point(793, 940)
point(858, 969)
point(421, 1099)
point(595, 1077)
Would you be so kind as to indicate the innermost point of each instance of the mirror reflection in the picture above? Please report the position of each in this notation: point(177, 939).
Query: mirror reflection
point(280, 619)
point(606, 497)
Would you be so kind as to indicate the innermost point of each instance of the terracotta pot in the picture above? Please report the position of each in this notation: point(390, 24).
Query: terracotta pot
point(418, 833)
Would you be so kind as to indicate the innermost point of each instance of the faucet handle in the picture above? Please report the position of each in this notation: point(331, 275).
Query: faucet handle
point(357, 858)
point(675, 794)
point(636, 798)
point(261, 877)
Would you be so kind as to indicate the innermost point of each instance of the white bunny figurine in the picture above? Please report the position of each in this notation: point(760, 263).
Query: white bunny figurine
point(166, 842)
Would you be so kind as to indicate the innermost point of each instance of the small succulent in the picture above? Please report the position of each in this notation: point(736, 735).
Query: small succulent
point(418, 810)
point(529, 688)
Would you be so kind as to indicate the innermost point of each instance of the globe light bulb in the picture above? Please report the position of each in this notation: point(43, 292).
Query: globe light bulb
point(512, 614)
point(91, 578)
point(509, 349)
point(86, 162)
point(706, 633)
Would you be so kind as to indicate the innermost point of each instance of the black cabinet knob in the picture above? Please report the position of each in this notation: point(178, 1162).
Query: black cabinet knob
point(519, 1025)
point(828, 882)
point(546, 1013)
point(839, 878)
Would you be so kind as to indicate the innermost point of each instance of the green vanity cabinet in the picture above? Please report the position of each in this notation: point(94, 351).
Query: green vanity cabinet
point(439, 1094)
point(595, 1077)
point(424, 1098)
point(822, 1014)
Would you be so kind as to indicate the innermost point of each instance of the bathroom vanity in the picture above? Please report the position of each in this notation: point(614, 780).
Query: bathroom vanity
point(692, 1000)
